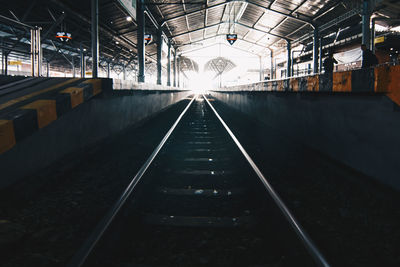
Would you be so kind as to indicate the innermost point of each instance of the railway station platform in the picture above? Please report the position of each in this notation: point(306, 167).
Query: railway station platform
point(103, 141)
point(328, 114)
point(249, 133)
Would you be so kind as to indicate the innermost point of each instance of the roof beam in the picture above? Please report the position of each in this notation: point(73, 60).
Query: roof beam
point(272, 2)
point(282, 14)
point(211, 45)
point(291, 13)
point(186, 19)
point(211, 37)
point(193, 12)
point(227, 22)
point(249, 2)
point(53, 26)
point(205, 18)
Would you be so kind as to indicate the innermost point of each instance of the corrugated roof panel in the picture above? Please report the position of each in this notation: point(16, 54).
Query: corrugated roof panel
point(179, 26)
point(286, 6)
point(310, 8)
point(251, 15)
point(196, 20)
point(287, 27)
point(197, 35)
point(269, 20)
point(254, 36)
point(214, 15)
point(211, 31)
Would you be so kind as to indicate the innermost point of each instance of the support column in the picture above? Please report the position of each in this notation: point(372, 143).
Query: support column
point(140, 39)
point(320, 55)
point(95, 38)
point(48, 68)
point(366, 17)
point(6, 64)
point(169, 64)
point(179, 71)
point(315, 51)
point(73, 67)
point(289, 59)
point(373, 36)
point(82, 58)
point(261, 69)
point(2, 57)
point(272, 66)
point(175, 64)
point(108, 69)
point(38, 51)
point(159, 56)
point(124, 72)
point(33, 52)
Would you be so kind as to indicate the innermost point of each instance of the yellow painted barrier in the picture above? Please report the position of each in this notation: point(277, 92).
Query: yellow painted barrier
point(294, 84)
point(25, 97)
point(280, 85)
point(394, 84)
point(76, 94)
point(7, 135)
point(46, 111)
point(382, 77)
point(341, 81)
point(313, 83)
point(96, 83)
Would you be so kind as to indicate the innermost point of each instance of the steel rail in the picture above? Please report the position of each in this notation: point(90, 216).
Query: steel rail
point(81, 256)
point(309, 244)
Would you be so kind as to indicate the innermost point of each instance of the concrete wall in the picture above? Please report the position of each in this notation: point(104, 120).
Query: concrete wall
point(359, 130)
point(87, 123)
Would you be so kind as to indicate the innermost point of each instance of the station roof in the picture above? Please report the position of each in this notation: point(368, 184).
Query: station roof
point(259, 24)
point(190, 24)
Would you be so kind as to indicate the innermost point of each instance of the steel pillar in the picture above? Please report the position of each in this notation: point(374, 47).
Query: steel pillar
point(169, 64)
point(2, 61)
point(289, 59)
point(33, 57)
point(124, 72)
point(261, 69)
point(320, 55)
point(315, 51)
point(95, 38)
point(272, 66)
point(73, 67)
point(140, 39)
point(159, 56)
point(48, 68)
point(82, 58)
point(39, 58)
point(366, 17)
point(108, 69)
point(179, 72)
point(6, 64)
point(36, 53)
point(373, 36)
point(175, 65)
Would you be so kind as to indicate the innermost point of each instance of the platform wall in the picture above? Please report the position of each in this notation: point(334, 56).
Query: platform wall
point(359, 129)
point(86, 124)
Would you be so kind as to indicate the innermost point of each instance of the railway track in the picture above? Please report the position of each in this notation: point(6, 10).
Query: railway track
point(199, 200)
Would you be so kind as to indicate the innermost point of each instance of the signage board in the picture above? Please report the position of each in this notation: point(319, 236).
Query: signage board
point(15, 63)
point(147, 39)
point(231, 38)
point(63, 36)
point(380, 39)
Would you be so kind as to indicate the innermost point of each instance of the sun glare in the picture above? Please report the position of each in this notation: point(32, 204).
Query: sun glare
point(245, 68)
point(201, 82)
